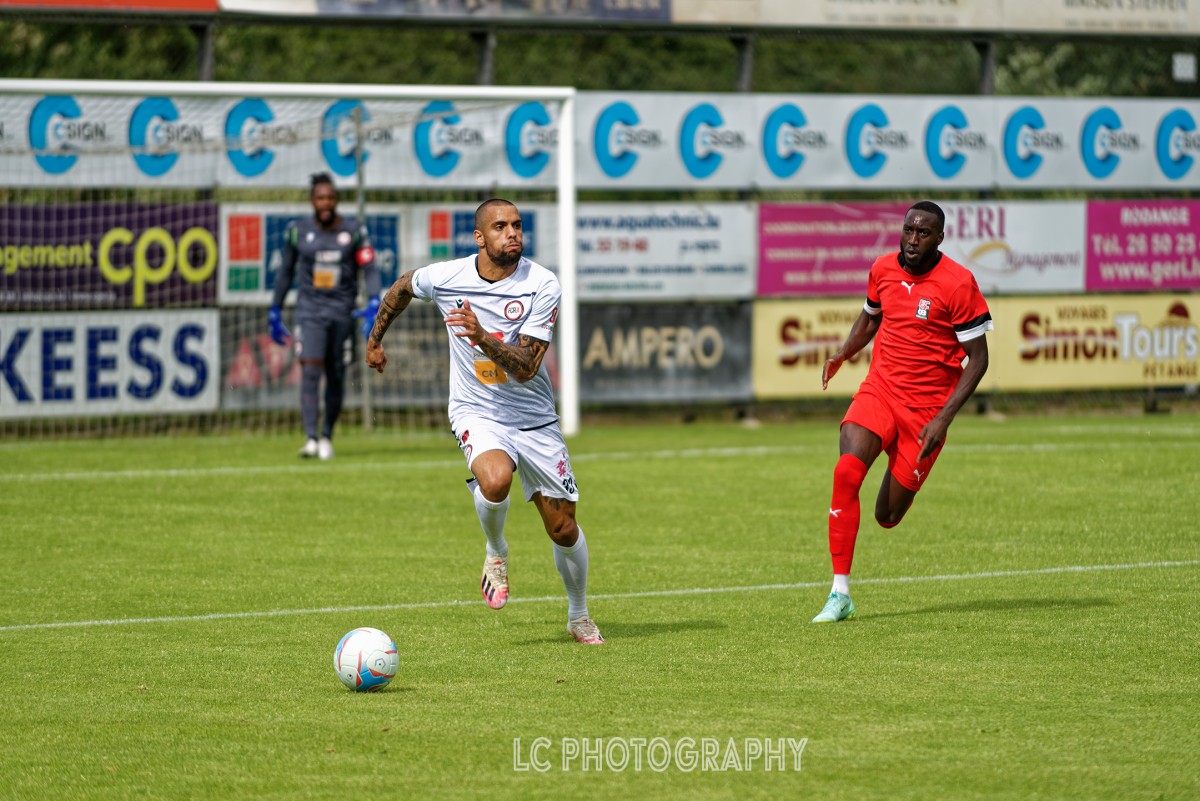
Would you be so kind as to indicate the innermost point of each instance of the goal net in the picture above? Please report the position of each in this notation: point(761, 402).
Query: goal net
point(141, 231)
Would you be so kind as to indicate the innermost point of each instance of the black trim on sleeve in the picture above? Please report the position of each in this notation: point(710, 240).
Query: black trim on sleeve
point(975, 323)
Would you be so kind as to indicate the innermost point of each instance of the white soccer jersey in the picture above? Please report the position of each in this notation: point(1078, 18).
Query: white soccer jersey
point(525, 302)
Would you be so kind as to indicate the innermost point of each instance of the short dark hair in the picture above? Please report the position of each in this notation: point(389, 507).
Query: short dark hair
point(932, 208)
point(318, 178)
point(487, 204)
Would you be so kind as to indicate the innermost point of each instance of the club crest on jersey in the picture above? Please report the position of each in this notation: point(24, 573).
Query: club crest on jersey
point(514, 309)
point(923, 308)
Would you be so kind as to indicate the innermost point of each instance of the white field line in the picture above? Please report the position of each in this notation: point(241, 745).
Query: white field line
point(609, 456)
point(327, 610)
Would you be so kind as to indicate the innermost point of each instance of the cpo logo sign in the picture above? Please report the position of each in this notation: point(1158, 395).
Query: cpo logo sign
point(785, 137)
point(948, 140)
point(1175, 140)
point(868, 137)
point(155, 132)
point(57, 129)
point(438, 139)
point(702, 137)
point(617, 140)
point(1102, 141)
point(528, 139)
point(1026, 139)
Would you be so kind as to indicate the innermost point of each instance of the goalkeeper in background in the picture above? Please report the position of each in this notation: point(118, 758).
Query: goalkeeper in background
point(325, 252)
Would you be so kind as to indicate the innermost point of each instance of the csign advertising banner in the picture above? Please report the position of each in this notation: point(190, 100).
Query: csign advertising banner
point(107, 256)
point(1094, 341)
point(662, 251)
point(657, 353)
point(793, 338)
point(1010, 247)
point(108, 363)
point(1143, 245)
point(838, 142)
point(202, 141)
point(252, 247)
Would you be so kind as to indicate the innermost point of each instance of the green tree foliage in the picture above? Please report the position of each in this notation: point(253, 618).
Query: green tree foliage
point(395, 53)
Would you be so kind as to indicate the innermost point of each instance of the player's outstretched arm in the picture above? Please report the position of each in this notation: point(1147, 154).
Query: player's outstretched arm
point(394, 301)
point(862, 332)
point(934, 432)
point(521, 360)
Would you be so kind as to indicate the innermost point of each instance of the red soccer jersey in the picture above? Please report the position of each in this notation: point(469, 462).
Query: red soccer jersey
point(918, 352)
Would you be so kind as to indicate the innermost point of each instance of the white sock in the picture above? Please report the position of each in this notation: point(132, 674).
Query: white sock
point(572, 564)
point(841, 583)
point(491, 517)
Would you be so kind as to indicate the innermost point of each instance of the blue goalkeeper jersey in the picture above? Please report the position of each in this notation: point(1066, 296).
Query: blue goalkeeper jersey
point(326, 266)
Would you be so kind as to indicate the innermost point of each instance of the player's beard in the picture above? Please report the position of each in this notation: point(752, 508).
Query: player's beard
point(505, 258)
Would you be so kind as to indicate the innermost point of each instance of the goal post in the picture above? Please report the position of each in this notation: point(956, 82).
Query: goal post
point(157, 143)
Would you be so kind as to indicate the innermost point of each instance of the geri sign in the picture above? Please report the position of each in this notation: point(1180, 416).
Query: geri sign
point(108, 363)
point(107, 256)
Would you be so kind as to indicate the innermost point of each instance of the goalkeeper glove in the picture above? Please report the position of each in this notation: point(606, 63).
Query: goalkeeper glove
point(367, 315)
point(279, 332)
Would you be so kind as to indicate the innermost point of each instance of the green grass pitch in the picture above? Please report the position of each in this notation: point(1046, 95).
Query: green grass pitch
point(169, 608)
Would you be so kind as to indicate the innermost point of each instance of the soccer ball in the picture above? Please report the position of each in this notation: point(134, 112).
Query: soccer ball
point(365, 660)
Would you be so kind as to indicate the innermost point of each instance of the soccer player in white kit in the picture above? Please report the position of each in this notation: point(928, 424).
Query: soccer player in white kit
point(500, 309)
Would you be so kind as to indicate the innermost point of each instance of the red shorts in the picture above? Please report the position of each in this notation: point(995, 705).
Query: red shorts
point(898, 426)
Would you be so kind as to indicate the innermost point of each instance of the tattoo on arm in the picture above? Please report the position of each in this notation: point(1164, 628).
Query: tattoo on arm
point(394, 301)
point(521, 360)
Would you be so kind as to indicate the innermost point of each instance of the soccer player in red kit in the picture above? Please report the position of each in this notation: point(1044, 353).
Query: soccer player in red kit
point(925, 311)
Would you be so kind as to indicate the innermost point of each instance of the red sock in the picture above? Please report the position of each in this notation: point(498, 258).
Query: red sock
point(848, 477)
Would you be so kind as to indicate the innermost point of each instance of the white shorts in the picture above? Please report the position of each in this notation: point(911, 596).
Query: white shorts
point(540, 455)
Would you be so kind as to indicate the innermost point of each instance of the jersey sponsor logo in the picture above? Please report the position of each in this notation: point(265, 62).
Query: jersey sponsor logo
point(702, 138)
point(834, 512)
point(923, 305)
point(343, 238)
point(918, 474)
point(908, 286)
point(1175, 140)
point(514, 309)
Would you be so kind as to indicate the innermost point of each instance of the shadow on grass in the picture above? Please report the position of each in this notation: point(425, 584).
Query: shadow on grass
point(629, 631)
point(1039, 603)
